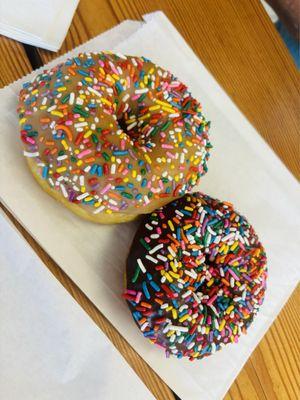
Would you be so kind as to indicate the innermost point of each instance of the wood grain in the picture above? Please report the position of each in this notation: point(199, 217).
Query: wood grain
point(238, 44)
point(13, 61)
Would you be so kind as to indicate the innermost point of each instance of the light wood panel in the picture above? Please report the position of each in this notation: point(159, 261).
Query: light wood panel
point(14, 62)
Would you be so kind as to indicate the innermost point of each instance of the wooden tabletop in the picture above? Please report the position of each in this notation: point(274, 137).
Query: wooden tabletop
point(238, 43)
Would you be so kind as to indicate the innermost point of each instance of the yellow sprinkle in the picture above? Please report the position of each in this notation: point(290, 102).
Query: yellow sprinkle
point(97, 204)
point(35, 91)
point(126, 179)
point(108, 211)
point(57, 113)
point(148, 115)
point(179, 137)
point(234, 330)
point(43, 107)
point(187, 208)
point(153, 108)
point(209, 283)
point(229, 309)
point(195, 355)
point(196, 162)
point(207, 330)
point(234, 246)
point(169, 308)
point(89, 198)
point(222, 324)
point(174, 268)
point(82, 189)
point(142, 85)
point(176, 178)
point(162, 103)
point(134, 173)
point(170, 223)
point(184, 318)
point(61, 169)
point(169, 278)
point(174, 313)
point(169, 110)
point(186, 227)
point(87, 134)
point(81, 119)
point(62, 89)
point(88, 79)
point(189, 143)
point(113, 158)
point(148, 159)
point(151, 70)
point(22, 121)
point(176, 276)
point(116, 77)
point(170, 333)
point(79, 163)
point(104, 101)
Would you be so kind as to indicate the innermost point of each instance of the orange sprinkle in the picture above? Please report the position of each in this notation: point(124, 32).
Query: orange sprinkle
point(65, 129)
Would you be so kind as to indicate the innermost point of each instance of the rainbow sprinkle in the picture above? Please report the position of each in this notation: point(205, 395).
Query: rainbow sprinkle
point(113, 133)
point(196, 276)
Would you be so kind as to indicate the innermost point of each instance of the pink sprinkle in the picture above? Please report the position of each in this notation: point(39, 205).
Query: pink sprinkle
point(125, 171)
point(129, 291)
point(84, 153)
point(69, 122)
point(30, 140)
point(167, 146)
point(158, 230)
point(211, 300)
point(105, 189)
point(138, 297)
point(233, 274)
point(147, 240)
point(123, 144)
point(171, 155)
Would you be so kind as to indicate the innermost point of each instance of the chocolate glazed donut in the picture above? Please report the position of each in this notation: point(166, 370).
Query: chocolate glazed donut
point(196, 276)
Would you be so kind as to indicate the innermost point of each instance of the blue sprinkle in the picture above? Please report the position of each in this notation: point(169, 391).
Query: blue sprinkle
point(99, 170)
point(45, 172)
point(145, 290)
point(94, 169)
point(155, 286)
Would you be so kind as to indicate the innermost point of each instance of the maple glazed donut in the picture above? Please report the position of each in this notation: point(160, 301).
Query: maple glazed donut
point(196, 276)
point(112, 136)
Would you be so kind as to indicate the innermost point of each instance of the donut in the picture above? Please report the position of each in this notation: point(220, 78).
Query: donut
point(112, 136)
point(195, 276)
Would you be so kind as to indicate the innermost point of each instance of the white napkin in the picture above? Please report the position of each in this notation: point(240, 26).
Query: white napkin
point(49, 348)
point(41, 23)
point(242, 169)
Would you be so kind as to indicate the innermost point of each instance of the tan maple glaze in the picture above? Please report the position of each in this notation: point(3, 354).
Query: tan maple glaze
point(112, 136)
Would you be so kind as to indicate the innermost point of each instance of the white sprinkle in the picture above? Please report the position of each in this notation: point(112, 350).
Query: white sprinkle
point(156, 248)
point(82, 196)
point(139, 91)
point(72, 98)
point(178, 328)
point(192, 273)
point(171, 251)
point(144, 326)
point(99, 209)
point(162, 258)
point(28, 154)
point(149, 227)
point(154, 236)
point(129, 127)
point(141, 265)
point(186, 294)
point(151, 259)
point(63, 189)
point(95, 92)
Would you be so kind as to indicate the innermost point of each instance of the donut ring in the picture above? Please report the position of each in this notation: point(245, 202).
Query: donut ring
point(196, 276)
point(112, 136)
